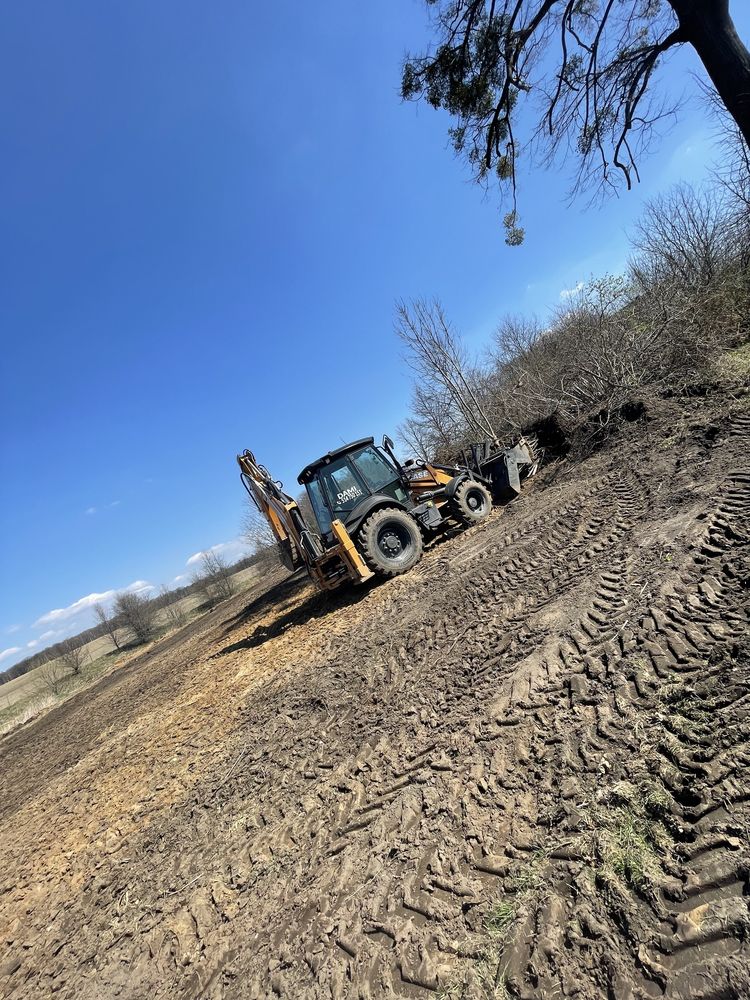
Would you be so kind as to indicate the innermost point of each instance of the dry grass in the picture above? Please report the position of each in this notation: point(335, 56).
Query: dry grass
point(733, 367)
point(25, 712)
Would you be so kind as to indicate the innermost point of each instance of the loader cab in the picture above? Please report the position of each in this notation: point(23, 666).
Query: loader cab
point(345, 479)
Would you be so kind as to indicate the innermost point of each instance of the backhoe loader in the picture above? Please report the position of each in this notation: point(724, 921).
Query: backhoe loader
point(372, 513)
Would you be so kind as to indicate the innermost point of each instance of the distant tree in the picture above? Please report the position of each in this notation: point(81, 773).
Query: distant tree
point(257, 533)
point(586, 66)
point(173, 610)
point(138, 614)
point(214, 578)
point(255, 528)
point(107, 622)
point(73, 655)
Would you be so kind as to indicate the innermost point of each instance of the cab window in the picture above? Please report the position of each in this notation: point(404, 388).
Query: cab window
point(374, 469)
point(322, 515)
point(343, 486)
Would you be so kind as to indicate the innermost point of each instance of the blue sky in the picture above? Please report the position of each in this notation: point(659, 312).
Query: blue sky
point(208, 211)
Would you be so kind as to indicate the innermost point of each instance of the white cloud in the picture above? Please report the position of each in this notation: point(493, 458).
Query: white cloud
point(32, 644)
point(76, 608)
point(50, 634)
point(568, 293)
point(11, 629)
point(83, 604)
point(231, 551)
point(180, 577)
point(9, 652)
point(94, 510)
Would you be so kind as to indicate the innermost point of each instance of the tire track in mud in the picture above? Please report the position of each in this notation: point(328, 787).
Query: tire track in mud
point(417, 956)
point(703, 921)
point(410, 842)
point(401, 802)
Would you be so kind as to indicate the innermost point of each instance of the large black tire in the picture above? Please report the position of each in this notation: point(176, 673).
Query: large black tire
point(390, 541)
point(471, 503)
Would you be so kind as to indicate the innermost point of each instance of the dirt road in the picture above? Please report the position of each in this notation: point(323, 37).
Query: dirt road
point(521, 770)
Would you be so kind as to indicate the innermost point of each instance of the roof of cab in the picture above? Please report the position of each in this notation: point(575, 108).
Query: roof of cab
point(309, 470)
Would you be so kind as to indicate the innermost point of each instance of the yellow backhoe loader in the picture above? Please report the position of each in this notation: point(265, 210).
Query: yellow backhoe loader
point(372, 513)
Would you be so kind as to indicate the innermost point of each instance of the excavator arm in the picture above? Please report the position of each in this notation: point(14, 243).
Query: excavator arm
point(298, 544)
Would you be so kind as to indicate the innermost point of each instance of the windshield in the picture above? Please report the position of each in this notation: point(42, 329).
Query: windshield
point(375, 470)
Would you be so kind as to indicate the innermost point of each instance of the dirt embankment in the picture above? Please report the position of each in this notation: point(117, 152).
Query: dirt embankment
point(521, 770)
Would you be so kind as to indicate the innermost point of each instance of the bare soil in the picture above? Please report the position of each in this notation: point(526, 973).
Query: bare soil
point(520, 770)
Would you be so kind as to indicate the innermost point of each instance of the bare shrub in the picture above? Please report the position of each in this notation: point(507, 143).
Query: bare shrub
point(73, 656)
point(684, 299)
point(52, 675)
point(138, 614)
point(174, 613)
point(108, 623)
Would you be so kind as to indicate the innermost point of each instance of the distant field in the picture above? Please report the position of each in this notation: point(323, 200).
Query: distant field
point(19, 693)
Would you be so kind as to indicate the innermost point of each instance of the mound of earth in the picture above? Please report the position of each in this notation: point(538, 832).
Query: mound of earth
point(520, 770)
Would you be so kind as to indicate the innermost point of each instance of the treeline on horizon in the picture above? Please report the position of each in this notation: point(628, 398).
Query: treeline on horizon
point(161, 600)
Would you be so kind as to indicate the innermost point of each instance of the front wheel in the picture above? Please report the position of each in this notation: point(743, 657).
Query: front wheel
point(390, 541)
point(471, 502)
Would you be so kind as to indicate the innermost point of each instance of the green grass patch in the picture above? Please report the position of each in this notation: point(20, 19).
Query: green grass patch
point(501, 916)
point(625, 853)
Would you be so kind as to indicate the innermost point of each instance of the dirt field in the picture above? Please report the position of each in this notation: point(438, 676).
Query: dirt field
point(521, 770)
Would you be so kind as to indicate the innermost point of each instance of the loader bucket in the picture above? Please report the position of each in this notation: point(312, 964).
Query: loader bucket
point(505, 469)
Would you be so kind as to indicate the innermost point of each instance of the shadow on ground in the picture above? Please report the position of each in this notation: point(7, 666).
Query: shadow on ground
point(315, 605)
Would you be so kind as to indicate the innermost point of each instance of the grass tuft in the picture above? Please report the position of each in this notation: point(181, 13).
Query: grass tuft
point(501, 916)
point(626, 855)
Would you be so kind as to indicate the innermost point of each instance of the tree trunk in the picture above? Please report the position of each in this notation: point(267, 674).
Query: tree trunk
point(707, 25)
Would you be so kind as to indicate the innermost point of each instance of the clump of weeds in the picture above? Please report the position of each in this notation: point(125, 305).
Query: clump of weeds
point(625, 854)
point(484, 976)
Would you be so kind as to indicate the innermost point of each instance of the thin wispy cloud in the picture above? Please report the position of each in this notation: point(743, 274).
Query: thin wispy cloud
point(10, 629)
point(107, 506)
point(568, 293)
point(11, 651)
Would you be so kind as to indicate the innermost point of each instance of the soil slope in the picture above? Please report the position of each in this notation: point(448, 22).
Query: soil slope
point(521, 770)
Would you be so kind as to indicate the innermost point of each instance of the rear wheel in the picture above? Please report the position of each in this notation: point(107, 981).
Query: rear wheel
point(390, 541)
point(471, 503)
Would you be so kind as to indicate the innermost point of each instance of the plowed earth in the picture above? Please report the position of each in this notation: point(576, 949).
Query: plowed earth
point(520, 770)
